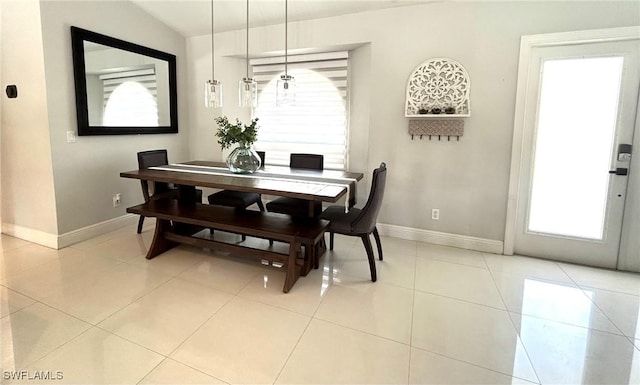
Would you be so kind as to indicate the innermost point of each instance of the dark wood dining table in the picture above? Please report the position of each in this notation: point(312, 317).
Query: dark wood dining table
point(312, 185)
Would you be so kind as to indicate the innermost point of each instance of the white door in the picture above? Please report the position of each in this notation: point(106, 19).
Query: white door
point(579, 114)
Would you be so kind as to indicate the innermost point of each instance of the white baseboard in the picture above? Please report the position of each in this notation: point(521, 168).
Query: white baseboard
point(59, 241)
point(91, 231)
point(440, 238)
point(31, 235)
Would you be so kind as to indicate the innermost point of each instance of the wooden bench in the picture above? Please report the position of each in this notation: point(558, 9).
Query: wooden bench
point(177, 222)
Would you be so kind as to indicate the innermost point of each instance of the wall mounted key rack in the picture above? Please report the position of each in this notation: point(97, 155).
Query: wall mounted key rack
point(437, 97)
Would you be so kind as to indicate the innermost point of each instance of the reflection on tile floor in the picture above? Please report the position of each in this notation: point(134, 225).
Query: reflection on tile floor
point(99, 313)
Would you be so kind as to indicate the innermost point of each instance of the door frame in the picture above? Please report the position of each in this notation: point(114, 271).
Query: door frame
point(527, 44)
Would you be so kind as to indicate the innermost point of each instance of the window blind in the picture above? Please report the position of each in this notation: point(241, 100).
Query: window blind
point(146, 77)
point(318, 122)
point(130, 96)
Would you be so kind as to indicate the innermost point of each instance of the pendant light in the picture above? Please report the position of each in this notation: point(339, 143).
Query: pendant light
point(286, 85)
point(212, 88)
point(248, 88)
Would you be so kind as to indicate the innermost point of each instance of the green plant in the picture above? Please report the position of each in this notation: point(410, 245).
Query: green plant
point(229, 134)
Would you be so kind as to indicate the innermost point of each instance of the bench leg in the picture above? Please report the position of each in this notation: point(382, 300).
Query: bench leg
point(312, 254)
point(319, 250)
point(293, 270)
point(160, 244)
point(140, 223)
point(307, 261)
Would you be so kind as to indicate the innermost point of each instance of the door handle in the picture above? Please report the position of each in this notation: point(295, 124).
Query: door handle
point(619, 171)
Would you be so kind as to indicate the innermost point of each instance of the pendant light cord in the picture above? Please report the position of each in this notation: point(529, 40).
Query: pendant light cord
point(247, 39)
point(286, 34)
point(213, 68)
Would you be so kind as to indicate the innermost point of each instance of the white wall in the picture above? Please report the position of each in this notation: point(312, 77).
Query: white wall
point(86, 173)
point(28, 204)
point(466, 180)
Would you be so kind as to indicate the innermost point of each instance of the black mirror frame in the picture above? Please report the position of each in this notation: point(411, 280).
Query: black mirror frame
point(78, 37)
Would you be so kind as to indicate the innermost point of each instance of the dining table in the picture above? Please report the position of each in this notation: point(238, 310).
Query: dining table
point(311, 185)
point(187, 216)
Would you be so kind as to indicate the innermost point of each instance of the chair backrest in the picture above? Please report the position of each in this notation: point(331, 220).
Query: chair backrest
point(153, 158)
point(262, 156)
point(308, 161)
point(366, 221)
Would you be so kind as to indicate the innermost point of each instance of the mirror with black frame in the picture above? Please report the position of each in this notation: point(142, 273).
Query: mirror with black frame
point(122, 87)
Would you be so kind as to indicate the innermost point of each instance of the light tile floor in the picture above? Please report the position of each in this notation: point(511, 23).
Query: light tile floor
point(99, 313)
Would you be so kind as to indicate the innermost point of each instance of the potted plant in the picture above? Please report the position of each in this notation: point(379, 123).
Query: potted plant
point(243, 159)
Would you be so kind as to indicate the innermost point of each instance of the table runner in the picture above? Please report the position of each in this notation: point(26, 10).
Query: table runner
point(348, 183)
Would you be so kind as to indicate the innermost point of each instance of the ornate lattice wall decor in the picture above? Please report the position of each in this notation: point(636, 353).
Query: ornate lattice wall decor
point(437, 128)
point(438, 88)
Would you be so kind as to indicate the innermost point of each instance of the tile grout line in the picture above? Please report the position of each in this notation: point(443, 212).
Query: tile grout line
point(515, 328)
point(472, 364)
point(194, 332)
point(286, 361)
point(34, 362)
point(413, 312)
point(582, 290)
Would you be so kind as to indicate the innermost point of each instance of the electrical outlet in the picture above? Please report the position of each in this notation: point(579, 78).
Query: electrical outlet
point(435, 214)
point(71, 136)
point(116, 200)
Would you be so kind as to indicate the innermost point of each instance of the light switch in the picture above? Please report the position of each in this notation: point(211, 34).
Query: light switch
point(71, 136)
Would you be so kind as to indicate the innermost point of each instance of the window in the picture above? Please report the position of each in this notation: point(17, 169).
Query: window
point(317, 123)
point(130, 98)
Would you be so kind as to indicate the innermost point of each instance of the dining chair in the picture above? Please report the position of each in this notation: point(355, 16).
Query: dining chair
point(153, 158)
point(238, 199)
point(360, 222)
point(294, 206)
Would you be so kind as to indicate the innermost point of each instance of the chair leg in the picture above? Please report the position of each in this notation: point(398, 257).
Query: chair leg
point(331, 241)
point(140, 222)
point(260, 205)
point(377, 238)
point(372, 261)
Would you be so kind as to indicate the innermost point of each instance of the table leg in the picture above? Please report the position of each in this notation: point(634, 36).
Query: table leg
point(187, 194)
point(160, 244)
point(310, 209)
point(293, 270)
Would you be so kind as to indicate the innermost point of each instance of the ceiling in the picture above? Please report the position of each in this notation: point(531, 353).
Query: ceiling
point(193, 17)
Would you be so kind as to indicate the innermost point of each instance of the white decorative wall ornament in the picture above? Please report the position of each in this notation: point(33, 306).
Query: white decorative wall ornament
point(438, 88)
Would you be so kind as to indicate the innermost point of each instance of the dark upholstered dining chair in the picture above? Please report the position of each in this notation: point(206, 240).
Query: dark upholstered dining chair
point(238, 199)
point(360, 222)
point(153, 158)
point(294, 206)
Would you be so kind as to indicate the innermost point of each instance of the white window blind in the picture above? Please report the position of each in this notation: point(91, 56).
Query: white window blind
point(130, 97)
point(317, 123)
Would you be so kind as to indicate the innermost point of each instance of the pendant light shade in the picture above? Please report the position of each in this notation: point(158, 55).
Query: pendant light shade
point(286, 91)
point(212, 88)
point(286, 85)
point(248, 91)
point(212, 94)
point(248, 88)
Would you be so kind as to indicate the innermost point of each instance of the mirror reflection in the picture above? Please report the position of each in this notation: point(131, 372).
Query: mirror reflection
point(125, 88)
